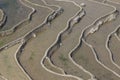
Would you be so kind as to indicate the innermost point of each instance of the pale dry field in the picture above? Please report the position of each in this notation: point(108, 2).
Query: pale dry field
point(98, 41)
point(1, 14)
point(99, 0)
point(117, 1)
point(85, 57)
point(40, 2)
point(60, 56)
point(34, 50)
point(1, 78)
point(114, 45)
point(9, 68)
point(38, 45)
point(37, 19)
point(50, 67)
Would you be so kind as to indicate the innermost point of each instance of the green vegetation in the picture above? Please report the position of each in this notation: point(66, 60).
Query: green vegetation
point(32, 55)
point(63, 59)
point(1, 43)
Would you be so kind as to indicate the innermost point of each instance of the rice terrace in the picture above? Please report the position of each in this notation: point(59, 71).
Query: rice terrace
point(59, 39)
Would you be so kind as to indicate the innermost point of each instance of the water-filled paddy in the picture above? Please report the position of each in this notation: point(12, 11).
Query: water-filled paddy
point(15, 12)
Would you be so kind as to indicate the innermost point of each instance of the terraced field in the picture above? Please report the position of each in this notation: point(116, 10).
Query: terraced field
point(15, 12)
point(59, 40)
point(1, 14)
point(9, 66)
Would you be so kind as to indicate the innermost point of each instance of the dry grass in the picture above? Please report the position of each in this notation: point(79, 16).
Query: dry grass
point(118, 1)
point(43, 40)
point(98, 41)
point(114, 45)
point(98, 0)
point(1, 14)
point(72, 40)
point(35, 48)
point(9, 68)
point(37, 19)
point(49, 66)
point(42, 3)
point(84, 57)
point(1, 79)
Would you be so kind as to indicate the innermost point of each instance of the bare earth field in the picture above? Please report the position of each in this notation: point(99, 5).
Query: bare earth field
point(60, 56)
point(118, 1)
point(38, 45)
point(60, 40)
point(98, 41)
point(85, 57)
point(10, 69)
point(99, 0)
point(1, 14)
point(40, 2)
point(114, 47)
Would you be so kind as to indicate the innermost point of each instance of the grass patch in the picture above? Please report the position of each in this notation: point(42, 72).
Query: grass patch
point(63, 59)
point(1, 43)
point(32, 55)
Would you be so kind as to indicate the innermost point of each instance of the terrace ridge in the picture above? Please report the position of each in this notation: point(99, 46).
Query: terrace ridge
point(23, 40)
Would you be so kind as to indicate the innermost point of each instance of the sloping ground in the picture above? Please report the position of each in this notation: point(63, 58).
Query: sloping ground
point(1, 78)
point(114, 45)
point(99, 0)
point(99, 42)
point(51, 67)
point(9, 69)
point(15, 12)
point(43, 2)
point(117, 1)
point(118, 33)
point(1, 14)
point(60, 56)
point(37, 19)
point(85, 57)
point(76, 44)
point(36, 47)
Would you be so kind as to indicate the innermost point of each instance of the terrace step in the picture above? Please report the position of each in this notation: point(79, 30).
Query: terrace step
point(99, 41)
point(85, 57)
point(50, 66)
point(114, 45)
point(61, 44)
point(9, 66)
point(3, 18)
point(39, 49)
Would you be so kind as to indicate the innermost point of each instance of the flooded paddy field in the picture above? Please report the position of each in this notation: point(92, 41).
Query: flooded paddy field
point(15, 12)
